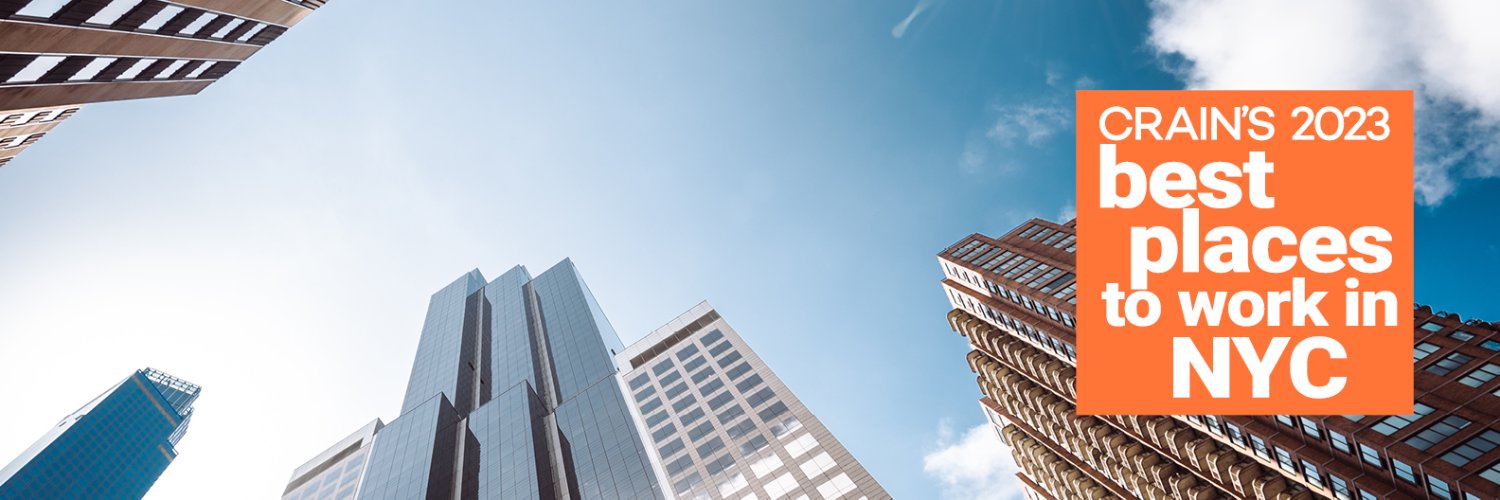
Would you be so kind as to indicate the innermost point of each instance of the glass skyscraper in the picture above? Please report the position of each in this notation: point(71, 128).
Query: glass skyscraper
point(512, 395)
point(114, 447)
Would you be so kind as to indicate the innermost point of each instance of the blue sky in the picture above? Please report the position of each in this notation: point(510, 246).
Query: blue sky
point(795, 163)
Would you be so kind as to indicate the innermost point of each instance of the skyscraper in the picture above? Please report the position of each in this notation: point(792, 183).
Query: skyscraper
point(1013, 298)
point(56, 55)
point(512, 395)
point(114, 447)
point(724, 426)
point(338, 471)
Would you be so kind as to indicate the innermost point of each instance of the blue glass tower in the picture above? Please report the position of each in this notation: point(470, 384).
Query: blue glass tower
point(512, 396)
point(114, 447)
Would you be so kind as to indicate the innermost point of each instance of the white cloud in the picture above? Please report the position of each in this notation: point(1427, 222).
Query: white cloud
point(973, 466)
point(1032, 122)
point(1068, 212)
point(900, 29)
point(1445, 49)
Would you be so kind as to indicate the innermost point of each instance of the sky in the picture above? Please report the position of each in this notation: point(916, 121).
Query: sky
point(797, 164)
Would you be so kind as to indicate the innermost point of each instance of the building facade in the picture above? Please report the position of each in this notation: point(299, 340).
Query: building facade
point(512, 395)
point(721, 424)
point(116, 446)
point(1014, 299)
point(56, 55)
point(338, 471)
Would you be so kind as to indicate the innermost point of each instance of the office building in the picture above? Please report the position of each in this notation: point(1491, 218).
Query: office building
point(57, 55)
point(337, 472)
point(722, 425)
point(512, 395)
point(114, 447)
point(1013, 298)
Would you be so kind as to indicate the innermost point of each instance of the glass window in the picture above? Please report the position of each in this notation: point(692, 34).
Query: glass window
point(1481, 375)
point(1392, 424)
point(1310, 471)
point(42, 8)
point(730, 359)
point(687, 352)
point(228, 27)
point(711, 387)
point(1438, 488)
point(161, 17)
point(1340, 442)
point(113, 12)
point(1340, 488)
point(731, 413)
point(1492, 473)
point(645, 393)
point(718, 401)
point(1490, 344)
point(766, 465)
point(1437, 432)
point(736, 372)
point(694, 363)
point(741, 429)
point(1423, 350)
point(639, 381)
point(672, 448)
point(1473, 448)
point(670, 379)
point(1287, 421)
point(773, 411)
point(92, 69)
point(663, 432)
point(711, 337)
point(1431, 326)
point(1310, 427)
point(35, 69)
point(700, 431)
point(1259, 445)
point(201, 69)
point(701, 375)
point(679, 465)
point(676, 390)
point(650, 406)
point(817, 465)
point(1403, 471)
point(719, 464)
point(749, 383)
point(197, 24)
point(1371, 456)
point(656, 418)
point(684, 403)
point(760, 397)
point(1461, 336)
point(754, 444)
point(662, 367)
point(1285, 459)
point(692, 416)
point(1449, 363)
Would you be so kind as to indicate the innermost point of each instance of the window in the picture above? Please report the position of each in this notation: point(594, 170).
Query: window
point(1461, 336)
point(201, 69)
point(679, 465)
point(651, 406)
point(791, 424)
point(656, 418)
point(639, 381)
point(692, 416)
point(711, 447)
point(802, 444)
point(228, 27)
point(1389, 425)
point(1340, 488)
point(701, 430)
point(1235, 435)
point(92, 69)
point(36, 68)
point(1340, 442)
point(1436, 433)
point(1285, 459)
point(1481, 375)
point(676, 390)
point(837, 487)
point(1310, 471)
point(1490, 344)
point(161, 17)
point(687, 352)
point(760, 398)
point(738, 371)
point(684, 403)
point(662, 367)
point(669, 449)
point(1431, 326)
point(711, 387)
point(748, 383)
point(772, 411)
point(671, 378)
point(1449, 363)
point(817, 465)
point(754, 444)
point(1259, 445)
point(1473, 448)
point(112, 12)
point(1423, 350)
point(733, 484)
point(42, 8)
point(711, 337)
point(719, 464)
point(694, 363)
point(700, 376)
point(745, 427)
point(197, 24)
point(766, 465)
point(1492, 473)
point(1403, 471)
point(730, 414)
point(663, 432)
point(688, 483)
point(1287, 421)
point(1439, 488)
point(718, 401)
point(1310, 427)
point(1371, 456)
point(730, 359)
point(781, 486)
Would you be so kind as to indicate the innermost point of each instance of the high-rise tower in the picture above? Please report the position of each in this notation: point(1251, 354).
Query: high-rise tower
point(512, 395)
point(1013, 298)
point(114, 447)
point(724, 426)
point(56, 55)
